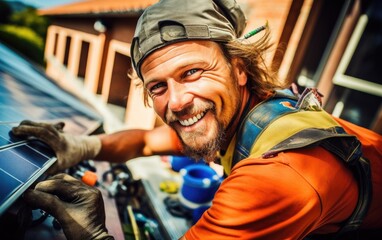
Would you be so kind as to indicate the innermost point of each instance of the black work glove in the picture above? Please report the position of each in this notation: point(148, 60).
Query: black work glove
point(78, 207)
point(69, 149)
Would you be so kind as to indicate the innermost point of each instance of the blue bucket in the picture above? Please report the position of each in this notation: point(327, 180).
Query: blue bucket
point(200, 183)
point(179, 162)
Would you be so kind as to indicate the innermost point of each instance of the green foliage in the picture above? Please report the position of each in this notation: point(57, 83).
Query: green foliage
point(24, 31)
point(24, 40)
point(29, 18)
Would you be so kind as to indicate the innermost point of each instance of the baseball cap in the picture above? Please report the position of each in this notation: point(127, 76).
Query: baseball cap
point(170, 21)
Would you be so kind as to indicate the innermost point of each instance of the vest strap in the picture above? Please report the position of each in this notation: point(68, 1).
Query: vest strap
point(273, 115)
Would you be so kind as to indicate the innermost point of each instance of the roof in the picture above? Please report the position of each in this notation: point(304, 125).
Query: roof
point(98, 7)
point(27, 93)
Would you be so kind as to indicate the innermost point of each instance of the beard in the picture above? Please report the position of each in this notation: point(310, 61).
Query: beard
point(197, 144)
point(201, 143)
point(206, 150)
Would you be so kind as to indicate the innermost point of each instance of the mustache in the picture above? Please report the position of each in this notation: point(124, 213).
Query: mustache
point(194, 109)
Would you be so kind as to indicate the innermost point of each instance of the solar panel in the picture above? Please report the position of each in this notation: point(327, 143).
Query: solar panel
point(26, 93)
point(20, 167)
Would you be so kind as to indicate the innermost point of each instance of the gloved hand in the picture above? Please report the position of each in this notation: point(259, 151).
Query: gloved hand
point(78, 207)
point(69, 149)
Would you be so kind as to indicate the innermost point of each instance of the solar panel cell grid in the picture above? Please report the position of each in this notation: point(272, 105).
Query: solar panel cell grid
point(28, 94)
point(41, 148)
point(17, 166)
point(20, 167)
point(33, 156)
point(6, 190)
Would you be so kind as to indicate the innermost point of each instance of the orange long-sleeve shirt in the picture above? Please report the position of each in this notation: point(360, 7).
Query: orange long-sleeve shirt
point(290, 195)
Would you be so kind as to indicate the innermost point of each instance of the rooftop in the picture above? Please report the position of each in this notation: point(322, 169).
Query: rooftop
point(98, 7)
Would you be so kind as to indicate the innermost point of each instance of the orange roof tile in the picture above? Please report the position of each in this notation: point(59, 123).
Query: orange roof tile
point(98, 7)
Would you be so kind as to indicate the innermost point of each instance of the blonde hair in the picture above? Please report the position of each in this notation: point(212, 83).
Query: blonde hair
point(262, 81)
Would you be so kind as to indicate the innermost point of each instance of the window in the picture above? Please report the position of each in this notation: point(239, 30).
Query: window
point(357, 93)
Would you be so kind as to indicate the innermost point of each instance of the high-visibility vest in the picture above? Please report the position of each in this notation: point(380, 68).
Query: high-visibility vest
point(285, 122)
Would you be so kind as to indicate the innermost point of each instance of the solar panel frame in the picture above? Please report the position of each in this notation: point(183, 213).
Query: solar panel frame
point(6, 200)
point(27, 93)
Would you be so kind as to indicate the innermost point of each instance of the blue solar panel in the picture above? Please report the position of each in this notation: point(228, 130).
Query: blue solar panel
point(7, 189)
point(4, 136)
point(17, 166)
point(26, 93)
point(20, 166)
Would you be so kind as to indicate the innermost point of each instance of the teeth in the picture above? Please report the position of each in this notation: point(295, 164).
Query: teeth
point(190, 121)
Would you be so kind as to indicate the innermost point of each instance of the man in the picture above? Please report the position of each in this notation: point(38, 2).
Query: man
point(203, 80)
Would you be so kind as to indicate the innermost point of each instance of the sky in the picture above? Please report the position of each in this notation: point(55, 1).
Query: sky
point(46, 3)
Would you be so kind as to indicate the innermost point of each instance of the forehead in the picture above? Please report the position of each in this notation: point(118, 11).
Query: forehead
point(181, 54)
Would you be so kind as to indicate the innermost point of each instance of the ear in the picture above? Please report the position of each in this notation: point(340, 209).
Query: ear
point(238, 69)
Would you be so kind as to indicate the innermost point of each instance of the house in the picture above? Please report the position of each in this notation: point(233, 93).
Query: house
point(88, 44)
point(332, 45)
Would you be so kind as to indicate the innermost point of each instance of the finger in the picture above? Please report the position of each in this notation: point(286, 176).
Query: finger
point(48, 134)
point(32, 123)
point(63, 186)
point(45, 201)
point(28, 127)
point(63, 176)
point(27, 122)
point(16, 130)
point(59, 126)
point(55, 168)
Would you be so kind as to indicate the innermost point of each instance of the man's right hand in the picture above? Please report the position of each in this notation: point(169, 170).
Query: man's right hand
point(69, 149)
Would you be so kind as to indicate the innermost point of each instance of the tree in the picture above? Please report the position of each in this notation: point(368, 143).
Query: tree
point(23, 30)
point(29, 18)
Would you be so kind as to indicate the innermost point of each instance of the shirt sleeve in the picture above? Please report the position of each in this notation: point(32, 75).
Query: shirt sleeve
point(264, 199)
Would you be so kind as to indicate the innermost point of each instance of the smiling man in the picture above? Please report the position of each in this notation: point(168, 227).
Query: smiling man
point(191, 95)
point(293, 171)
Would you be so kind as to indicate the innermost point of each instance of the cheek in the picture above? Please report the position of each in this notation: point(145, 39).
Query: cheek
point(209, 88)
point(159, 107)
point(222, 93)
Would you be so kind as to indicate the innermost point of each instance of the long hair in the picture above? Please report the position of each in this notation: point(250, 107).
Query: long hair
point(261, 79)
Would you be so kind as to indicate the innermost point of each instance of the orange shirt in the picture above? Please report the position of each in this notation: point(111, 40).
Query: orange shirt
point(372, 150)
point(289, 196)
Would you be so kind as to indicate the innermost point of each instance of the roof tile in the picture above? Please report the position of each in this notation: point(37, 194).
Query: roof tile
point(98, 7)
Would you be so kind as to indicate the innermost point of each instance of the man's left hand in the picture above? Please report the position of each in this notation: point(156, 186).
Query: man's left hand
point(78, 208)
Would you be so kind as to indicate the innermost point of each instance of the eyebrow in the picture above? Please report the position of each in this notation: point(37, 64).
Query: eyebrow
point(181, 67)
point(145, 83)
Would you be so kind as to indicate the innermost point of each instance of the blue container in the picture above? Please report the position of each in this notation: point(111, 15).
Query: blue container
point(198, 212)
point(179, 162)
point(200, 183)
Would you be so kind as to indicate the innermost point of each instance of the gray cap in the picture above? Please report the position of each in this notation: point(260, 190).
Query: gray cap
point(170, 21)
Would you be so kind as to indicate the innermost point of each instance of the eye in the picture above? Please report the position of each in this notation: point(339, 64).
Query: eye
point(157, 88)
point(192, 71)
point(195, 72)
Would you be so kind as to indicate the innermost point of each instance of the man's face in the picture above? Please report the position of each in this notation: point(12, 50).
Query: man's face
point(193, 90)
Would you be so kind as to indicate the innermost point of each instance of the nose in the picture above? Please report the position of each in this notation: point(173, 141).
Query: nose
point(179, 98)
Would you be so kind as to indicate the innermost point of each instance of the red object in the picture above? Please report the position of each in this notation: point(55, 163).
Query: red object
point(90, 178)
